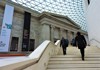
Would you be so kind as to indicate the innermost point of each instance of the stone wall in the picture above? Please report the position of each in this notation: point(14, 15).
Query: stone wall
point(17, 27)
point(35, 30)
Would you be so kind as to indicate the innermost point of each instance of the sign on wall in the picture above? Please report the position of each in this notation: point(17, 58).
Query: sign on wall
point(6, 28)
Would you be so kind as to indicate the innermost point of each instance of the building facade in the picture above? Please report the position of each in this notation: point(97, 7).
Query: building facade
point(30, 28)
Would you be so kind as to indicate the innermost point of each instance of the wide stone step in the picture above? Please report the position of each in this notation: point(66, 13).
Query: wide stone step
point(74, 59)
point(77, 69)
point(74, 62)
point(71, 56)
point(88, 50)
point(65, 66)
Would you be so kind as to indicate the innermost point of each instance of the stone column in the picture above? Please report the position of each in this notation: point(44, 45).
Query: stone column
point(69, 36)
point(52, 33)
point(72, 33)
point(45, 32)
point(75, 34)
point(61, 32)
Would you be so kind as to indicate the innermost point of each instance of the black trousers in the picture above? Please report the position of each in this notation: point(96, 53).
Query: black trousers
point(64, 50)
point(82, 53)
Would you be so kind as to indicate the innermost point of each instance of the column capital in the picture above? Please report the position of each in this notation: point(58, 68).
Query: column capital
point(44, 23)
point(52, 26)
point(69, 31)
point(61, 29)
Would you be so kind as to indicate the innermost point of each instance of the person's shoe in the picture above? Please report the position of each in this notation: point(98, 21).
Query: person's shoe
point(83, 58)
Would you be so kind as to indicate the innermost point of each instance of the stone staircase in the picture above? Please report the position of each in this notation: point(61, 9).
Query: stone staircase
point(72, 61)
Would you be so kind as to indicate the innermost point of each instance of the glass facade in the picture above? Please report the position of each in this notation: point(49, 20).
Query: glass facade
point(74, 9)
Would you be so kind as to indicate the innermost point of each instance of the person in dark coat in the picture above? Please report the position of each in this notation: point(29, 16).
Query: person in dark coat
point(81, 43)
point(73, 42)
point(64, 44)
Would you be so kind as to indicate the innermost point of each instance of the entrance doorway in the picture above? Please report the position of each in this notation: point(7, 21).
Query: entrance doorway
point(14, 44)
point(32, 43)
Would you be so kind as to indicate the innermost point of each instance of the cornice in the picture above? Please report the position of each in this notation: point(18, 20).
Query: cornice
point(57, 24)
point(46, 15)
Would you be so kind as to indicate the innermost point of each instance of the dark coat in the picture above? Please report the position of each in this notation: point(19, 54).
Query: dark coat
point(64, 42)
point(67, 42)
point(80, 41)
point(73, 42)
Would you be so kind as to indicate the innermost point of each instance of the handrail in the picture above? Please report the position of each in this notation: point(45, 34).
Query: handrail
point(95, 40)
point(38, 52)
point(56, 43)
point(33, 58)
point(43, 46)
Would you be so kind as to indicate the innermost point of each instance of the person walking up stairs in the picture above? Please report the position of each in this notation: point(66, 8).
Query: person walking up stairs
point(72, 60)
point(81, 43)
